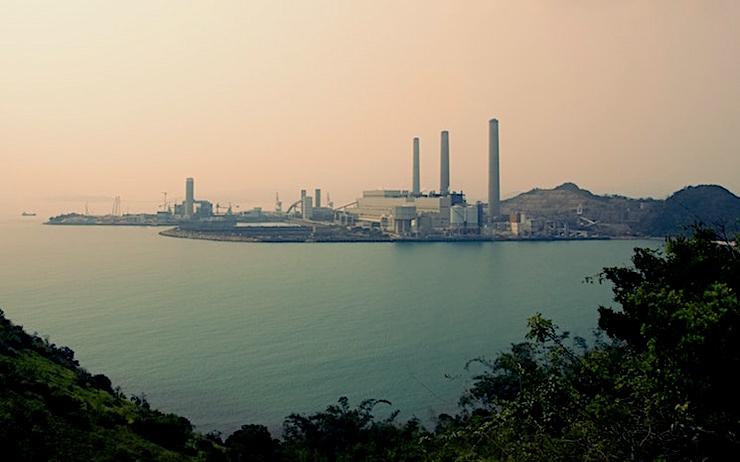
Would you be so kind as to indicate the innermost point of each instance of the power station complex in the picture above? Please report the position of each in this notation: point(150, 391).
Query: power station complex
point(411, 212)
point(404, 214)
point(396, 212)
point(385, 214)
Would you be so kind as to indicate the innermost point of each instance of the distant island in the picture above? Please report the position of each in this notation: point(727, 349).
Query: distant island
point(566, 212)
point(620, 216)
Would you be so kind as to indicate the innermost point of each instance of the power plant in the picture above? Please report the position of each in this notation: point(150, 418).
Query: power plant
point(435, 213)
point(393, 212)
point(383, 214)
point(396, 213)
point(413, 214)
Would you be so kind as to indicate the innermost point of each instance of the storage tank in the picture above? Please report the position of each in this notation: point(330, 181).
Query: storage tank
point(457, 216)
point(462, 216)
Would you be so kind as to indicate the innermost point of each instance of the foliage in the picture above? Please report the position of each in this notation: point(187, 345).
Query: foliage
point(52, 409)
point(713, 205)
point(657, 388)
point(342, 433)
point(253, 443)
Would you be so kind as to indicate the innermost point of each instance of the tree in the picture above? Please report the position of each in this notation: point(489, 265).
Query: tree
point(253, 443)
point(657, 383)
point(680, 315)
point(343, 433)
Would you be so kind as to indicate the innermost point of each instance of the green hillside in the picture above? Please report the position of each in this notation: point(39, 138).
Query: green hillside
point(52, 409)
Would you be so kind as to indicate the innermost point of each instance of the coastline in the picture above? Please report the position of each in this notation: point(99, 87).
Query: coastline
point(220, 237)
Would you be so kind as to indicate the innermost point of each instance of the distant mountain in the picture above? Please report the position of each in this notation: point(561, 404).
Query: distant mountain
point(615, 215)
point(712, 205)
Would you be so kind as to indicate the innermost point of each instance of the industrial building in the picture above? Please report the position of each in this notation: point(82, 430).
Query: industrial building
point(403, 213)
point(378, 215)
point(413, 213)
point(190, 208)
point(311, 207)
point(400, 212)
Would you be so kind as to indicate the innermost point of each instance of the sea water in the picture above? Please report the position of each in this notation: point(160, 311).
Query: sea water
point(233, 333)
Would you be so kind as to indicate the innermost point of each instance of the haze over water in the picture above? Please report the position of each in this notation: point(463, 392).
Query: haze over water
point(105, 99)
point(234, 333)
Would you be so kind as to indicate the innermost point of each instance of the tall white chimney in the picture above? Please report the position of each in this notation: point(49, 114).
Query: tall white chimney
point(416, 182)
point(189, 197)
point(444, 169)
point(494, 185)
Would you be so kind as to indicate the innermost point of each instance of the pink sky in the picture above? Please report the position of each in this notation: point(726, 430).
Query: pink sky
point(99, 99)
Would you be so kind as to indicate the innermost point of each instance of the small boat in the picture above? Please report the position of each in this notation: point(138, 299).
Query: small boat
point(28, 214)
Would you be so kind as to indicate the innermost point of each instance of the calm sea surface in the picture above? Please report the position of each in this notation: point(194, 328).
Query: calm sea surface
point(234, 333)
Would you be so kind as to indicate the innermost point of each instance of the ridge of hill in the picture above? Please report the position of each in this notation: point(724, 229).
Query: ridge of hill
point(617, 215)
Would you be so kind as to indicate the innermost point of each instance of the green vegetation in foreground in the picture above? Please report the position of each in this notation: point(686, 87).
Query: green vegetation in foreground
point(659, 383)
point(51, 409)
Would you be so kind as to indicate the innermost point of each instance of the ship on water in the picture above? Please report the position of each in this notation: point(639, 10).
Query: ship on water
point(28, 214)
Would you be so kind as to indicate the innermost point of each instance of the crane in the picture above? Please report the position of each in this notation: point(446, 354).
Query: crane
point(293, 206)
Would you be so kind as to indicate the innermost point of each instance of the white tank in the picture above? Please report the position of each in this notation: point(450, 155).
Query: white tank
point(463, 216)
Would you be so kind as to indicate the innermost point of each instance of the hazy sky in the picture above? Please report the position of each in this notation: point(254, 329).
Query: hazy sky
point(128, 98)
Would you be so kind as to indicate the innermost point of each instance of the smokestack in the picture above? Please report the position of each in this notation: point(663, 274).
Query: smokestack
point(303, 199)
point(189, 196)
point(494, 185)
point(444, 170)
point(416, 182)
point(317, 195)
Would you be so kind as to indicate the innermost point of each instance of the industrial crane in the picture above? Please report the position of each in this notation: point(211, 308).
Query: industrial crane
point(293, 206)
point(164, 204)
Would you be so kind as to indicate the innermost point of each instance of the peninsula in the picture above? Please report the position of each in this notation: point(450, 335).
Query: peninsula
point(384, 215)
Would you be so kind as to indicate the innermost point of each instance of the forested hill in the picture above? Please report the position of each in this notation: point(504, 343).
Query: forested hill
point(616, 215)
point(52, 409)
point(711, 204)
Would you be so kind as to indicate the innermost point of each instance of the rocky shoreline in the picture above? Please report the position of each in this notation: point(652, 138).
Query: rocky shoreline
point(227, 237)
